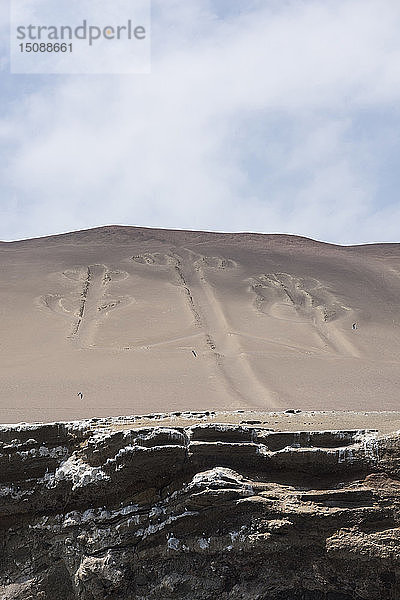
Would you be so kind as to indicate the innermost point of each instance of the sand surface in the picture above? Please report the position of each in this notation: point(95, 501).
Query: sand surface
point(143, 320)
point(385, 422)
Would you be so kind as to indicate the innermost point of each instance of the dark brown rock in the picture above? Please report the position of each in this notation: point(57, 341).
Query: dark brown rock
point(204, 512)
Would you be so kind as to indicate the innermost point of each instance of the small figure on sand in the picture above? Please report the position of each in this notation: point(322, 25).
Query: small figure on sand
point(354, 326)
point(80, 395)
point(194, 353)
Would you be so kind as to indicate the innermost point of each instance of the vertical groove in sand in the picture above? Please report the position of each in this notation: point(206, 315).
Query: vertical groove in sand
point(208, 313)
point(82, 306)
point(92, 292)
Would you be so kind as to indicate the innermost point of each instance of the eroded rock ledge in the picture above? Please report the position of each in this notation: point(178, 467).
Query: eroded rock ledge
point(96, 511)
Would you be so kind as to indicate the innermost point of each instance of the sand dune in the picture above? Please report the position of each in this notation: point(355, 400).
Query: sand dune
point(143, 320)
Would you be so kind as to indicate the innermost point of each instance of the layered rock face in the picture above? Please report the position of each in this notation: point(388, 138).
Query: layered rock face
point(209, 511)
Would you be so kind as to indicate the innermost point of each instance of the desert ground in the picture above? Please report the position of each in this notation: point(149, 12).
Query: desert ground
point(125, 320)
point(383, 422)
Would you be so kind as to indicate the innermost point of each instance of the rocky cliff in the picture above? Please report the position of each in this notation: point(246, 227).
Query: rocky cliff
point(94, 511)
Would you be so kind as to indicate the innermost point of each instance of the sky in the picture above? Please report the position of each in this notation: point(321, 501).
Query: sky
point(258, 115)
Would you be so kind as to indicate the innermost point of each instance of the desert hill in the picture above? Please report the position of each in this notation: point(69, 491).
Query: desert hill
point(150, 320)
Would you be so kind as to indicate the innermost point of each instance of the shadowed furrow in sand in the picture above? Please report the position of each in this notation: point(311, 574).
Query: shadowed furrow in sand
point(94, 305)
point(82, 306)
point(231, 359)
point(92, 293)
point(208, 315)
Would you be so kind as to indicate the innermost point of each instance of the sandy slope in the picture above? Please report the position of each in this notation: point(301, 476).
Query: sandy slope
point(146, 320)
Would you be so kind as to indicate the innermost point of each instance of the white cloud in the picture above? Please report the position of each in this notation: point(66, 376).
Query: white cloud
point(246, 123)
